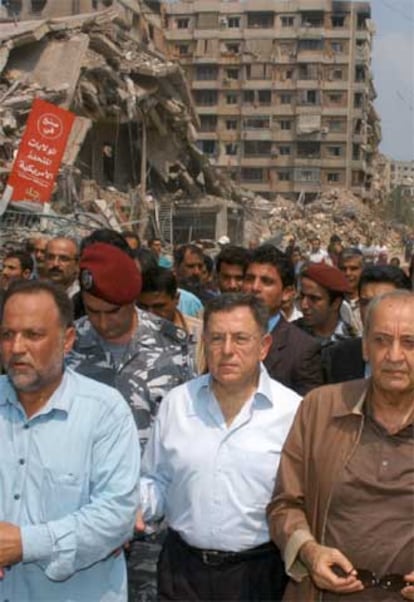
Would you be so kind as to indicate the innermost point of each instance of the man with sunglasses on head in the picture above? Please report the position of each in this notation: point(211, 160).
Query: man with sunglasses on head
point(210, 463)
point(342, 509)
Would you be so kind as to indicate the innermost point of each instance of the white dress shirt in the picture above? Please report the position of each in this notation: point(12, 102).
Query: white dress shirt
point(211, 481)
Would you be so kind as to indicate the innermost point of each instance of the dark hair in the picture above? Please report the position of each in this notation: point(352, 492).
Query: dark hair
point(233, 255)
point(348, 253)
point(147, 259)
point(33, 287)
point(179, 253)
point(159, 280)
point(389, 274)
point(209, 263)
point(108, 236)
point(269, 254)
point(25, 259)
point(150, 241)
point(131, 234)
point(229, 301)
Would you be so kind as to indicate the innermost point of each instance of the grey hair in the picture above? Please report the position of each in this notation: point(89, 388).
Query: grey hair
point(401, 294)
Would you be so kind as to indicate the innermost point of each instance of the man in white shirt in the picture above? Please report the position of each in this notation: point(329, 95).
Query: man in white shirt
point(210, 462)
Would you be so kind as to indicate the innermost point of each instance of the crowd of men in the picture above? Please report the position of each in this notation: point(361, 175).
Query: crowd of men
point(155, 444)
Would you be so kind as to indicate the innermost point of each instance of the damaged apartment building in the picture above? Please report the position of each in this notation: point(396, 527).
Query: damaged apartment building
point(132, 158)
point(283, 90)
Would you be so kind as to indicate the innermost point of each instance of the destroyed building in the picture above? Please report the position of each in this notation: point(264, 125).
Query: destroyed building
point(284, 91)
point(131, 156)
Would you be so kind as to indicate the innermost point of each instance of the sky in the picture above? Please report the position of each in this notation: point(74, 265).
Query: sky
point(393, 68)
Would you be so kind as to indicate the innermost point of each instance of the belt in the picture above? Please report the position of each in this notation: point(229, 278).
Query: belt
point(219, 557)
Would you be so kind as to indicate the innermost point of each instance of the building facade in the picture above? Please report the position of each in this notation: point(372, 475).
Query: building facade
point(283, 90)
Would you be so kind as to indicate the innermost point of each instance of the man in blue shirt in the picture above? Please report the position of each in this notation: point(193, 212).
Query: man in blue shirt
point(68, 479)
point(211, 460)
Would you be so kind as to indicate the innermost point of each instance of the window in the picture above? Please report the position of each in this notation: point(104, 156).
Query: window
point(359, 73)
point(337, 74)
point(208, 123)
point(338, 20)
point(334, 151)
point(206, 98)
point(307, 175)
point(231, 148)
point(233, 22)
point(310, 44)
point(285, 99)
point(231, 98)
point(231, 124)
point(207, 146)
point(336, 125)
point(256, 123)
point(257, 148)
point(252, 174)
point(337, 47)
point(310, 97)
point(287, 21)
point(335, 97)
point(284, 176)
point(362, 20)
point(260, 20)
point(284, 150)
point(333, 176)
point(183, 49)
point(307, 72)
point(356, 152)
point(312, 19)
point(265, 97)
point(289, 74)
point(206, 72)
point(285, 124)
point(182, 23)
point(358, 100)
point(256, 71)
point(233, 47)
point(309, 150)
point(248, 96)
point(232, 74)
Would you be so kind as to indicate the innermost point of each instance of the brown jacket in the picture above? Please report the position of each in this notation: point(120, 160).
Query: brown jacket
point(324, 435)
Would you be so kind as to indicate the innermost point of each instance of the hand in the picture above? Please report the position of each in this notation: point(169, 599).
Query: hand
point(408, 592)
point(139, 523)
point(11, 548)
point(320, 560)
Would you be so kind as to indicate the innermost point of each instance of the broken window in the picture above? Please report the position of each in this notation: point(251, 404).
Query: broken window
point(335, 97)
point(182, 22)
point(232, 47)
point(334, 151)
point(14, 7)
point(308, 72)
point(285, 124)
point(309, 97)
point(262, 20)
point(206, 98)
point(206, 72)
point(337, 47)
point(38, 5)
point(312, 19)
point(308, 150)
point(358, 100)
point(311, 175)
point(252, 174)
point(287, 20)
point(231, 148)
point(208, 123)
point(356, 152)
point(359, 73)
point(337, 74)
point(337, 125)
point(257, 148)
point(183, 49)
point(362, 20)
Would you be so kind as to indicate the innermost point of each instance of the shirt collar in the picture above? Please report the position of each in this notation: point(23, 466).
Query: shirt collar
point(200, 392)
point(273, 321)
point(350, 405)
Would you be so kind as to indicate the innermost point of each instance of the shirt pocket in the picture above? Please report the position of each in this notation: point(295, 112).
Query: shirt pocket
point(62, 494)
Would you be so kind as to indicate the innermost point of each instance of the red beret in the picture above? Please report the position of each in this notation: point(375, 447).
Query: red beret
point(327, 276)
point(109, 273)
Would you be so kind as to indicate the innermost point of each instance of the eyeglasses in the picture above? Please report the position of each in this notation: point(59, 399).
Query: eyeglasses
point(393, 582)
point(239, 339)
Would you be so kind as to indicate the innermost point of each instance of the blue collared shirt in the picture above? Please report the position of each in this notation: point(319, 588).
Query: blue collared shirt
point(212, 481)
point(69, 479)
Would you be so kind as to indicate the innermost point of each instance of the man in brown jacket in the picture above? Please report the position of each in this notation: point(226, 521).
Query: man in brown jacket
point(343, 506)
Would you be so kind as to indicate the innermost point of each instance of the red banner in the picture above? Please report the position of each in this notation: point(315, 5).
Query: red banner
point(40, 152)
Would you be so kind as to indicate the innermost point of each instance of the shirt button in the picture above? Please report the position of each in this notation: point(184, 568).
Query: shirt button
point(26, 426)
point(16, 496)
point(21, 461)
point(385, 463)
